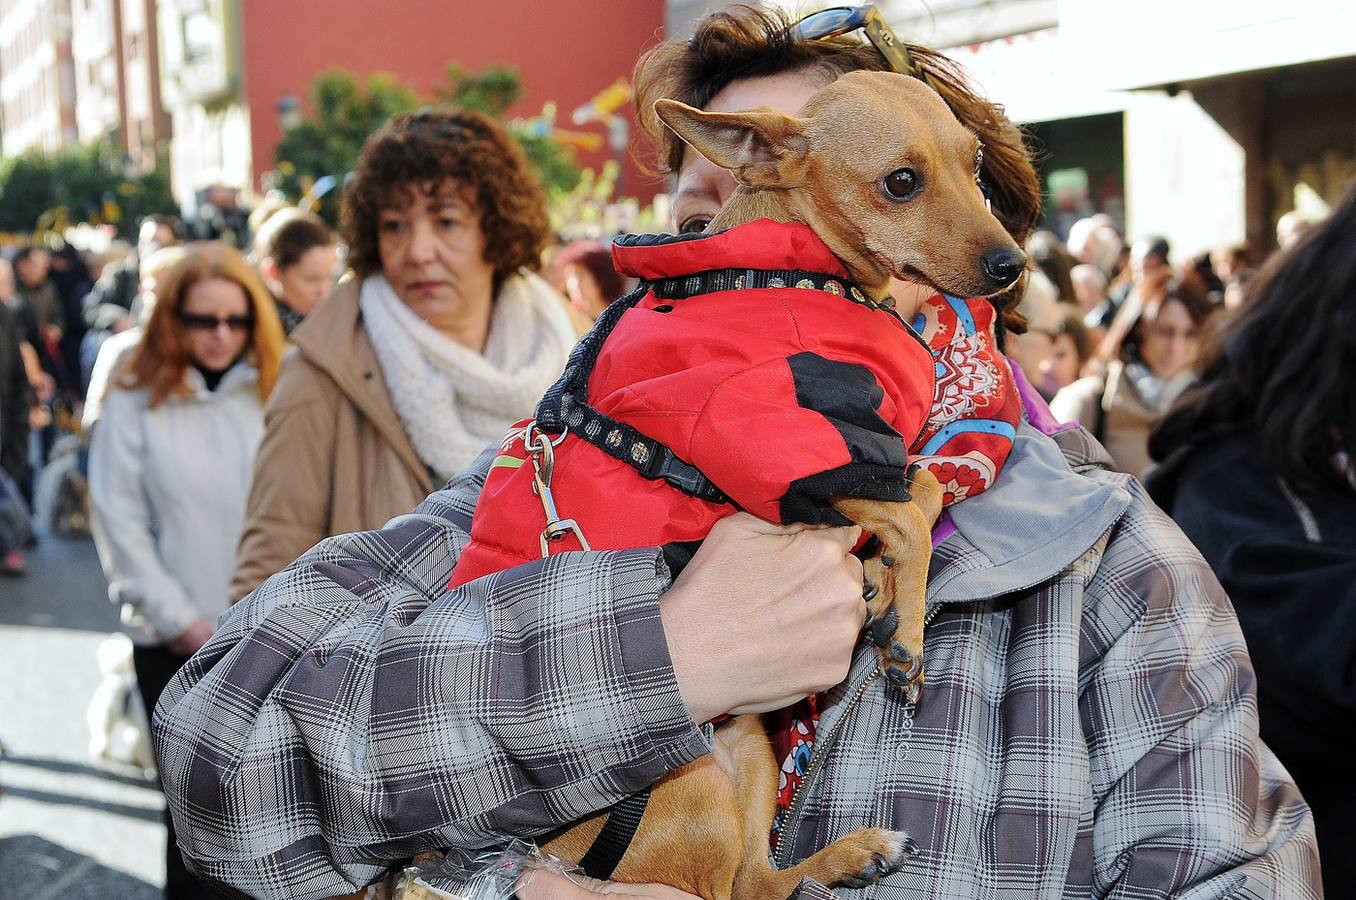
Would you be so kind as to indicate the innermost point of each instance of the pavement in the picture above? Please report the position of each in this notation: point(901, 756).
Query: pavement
point(70, 827)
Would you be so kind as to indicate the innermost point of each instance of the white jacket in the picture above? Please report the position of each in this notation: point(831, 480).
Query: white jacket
point(167, 492)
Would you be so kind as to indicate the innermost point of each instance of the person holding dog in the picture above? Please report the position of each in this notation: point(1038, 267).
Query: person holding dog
point(170, 462)
point(445, 337)
point(1088, 726)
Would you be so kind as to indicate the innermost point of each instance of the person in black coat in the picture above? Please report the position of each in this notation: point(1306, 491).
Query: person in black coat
point(1257, 469)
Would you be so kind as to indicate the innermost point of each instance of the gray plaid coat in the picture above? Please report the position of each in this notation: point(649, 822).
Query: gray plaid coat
point(1089, 727)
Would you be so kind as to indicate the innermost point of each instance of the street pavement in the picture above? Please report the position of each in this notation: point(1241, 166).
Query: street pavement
point(70, 827)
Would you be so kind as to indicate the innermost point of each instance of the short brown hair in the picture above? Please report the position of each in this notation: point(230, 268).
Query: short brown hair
point(746, 42)
point(161, 358)
point(426, 149)
point(289, 233)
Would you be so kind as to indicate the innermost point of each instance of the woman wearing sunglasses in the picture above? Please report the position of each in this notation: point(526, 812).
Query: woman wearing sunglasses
point(170, 465)
point(1088, 728)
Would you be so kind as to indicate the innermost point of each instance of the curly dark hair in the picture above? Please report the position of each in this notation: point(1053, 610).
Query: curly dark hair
point(747, 42)
point(423, 151)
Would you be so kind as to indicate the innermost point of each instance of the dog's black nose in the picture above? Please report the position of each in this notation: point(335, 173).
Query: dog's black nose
point(1002, 267)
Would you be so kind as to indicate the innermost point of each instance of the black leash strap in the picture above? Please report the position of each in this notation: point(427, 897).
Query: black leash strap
point(612, 842)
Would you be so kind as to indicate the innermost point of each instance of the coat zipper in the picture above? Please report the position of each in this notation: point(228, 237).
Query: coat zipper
point(784, 841)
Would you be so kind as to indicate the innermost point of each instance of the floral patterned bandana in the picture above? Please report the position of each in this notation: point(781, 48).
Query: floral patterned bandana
point(975, 412)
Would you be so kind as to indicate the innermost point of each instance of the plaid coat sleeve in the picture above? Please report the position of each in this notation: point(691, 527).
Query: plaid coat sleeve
point(1189, 800)
point(352, 712)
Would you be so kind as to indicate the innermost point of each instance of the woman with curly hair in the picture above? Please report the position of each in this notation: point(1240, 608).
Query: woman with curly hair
point(445, 337)
point(170, 462)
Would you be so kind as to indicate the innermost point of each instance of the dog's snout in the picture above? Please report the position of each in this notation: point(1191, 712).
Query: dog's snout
point(1003, 266)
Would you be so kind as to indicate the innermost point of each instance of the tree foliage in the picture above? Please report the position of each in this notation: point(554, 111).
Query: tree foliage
point(81, 183)
point(345, 111)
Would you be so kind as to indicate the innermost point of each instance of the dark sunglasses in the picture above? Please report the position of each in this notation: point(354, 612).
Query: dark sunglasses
point(199, 322)
point(844, 19)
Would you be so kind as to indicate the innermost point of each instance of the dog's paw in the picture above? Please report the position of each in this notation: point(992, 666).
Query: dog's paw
point(903, 669)
point(881, 853)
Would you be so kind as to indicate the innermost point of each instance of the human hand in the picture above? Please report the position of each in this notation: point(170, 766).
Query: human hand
point(539, 884)
point(38, 417)
point(193, 637)
point(763, 616)
point(51, 333)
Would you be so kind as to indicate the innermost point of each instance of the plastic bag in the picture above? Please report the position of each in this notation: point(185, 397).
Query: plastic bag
point(487, 875)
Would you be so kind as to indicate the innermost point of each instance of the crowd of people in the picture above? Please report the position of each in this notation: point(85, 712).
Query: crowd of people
point(242, 410)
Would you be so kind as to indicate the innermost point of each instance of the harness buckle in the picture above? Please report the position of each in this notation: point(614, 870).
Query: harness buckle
point(684, 477)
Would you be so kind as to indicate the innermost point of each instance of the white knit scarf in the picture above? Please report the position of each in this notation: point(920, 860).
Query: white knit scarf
point(453, 401)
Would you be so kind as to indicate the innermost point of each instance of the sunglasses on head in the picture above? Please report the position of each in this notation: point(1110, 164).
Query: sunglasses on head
point(845, 19)
point(199, 322)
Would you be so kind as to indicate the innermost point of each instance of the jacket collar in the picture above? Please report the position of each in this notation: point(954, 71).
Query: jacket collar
point(761, 244)
point(241, 375)
point(1054, 501)
point(333, 340)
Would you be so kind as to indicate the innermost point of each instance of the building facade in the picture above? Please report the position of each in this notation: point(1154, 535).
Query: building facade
point(233, 70)
point(146, 125)
point(37, 76)
point(96, 53)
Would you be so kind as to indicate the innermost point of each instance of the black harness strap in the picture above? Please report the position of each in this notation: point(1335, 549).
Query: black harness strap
point(612, 842)
point(564, 404)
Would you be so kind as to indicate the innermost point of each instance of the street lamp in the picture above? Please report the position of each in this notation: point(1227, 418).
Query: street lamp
point(289, 111)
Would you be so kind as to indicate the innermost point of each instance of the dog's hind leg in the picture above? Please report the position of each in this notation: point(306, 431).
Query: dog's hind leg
point(899, 574)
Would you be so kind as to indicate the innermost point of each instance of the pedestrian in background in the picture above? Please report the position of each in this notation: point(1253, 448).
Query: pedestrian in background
point(591, 282)
point(110, 306)
point(170, 466)
point(1148, 370)
point(16, 400)
point(1257, 469)
point(298, 257)
point(444, 339)
point(1071, 348)
point(118, 348)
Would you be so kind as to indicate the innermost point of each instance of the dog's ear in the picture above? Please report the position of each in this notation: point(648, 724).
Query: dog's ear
point(762, 147)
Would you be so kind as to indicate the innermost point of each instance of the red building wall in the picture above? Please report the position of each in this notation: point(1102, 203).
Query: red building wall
point(565, 50)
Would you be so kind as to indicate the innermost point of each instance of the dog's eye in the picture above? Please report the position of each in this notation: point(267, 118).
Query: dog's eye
point(979, 161)
point(901, 184)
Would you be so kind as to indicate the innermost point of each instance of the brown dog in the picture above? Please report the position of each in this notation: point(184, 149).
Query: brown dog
point(879, 167)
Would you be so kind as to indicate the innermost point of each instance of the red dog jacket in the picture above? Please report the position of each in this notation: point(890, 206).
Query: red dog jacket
point(745, 372)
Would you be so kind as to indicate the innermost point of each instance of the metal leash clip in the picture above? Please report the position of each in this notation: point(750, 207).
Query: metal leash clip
point(541, 450)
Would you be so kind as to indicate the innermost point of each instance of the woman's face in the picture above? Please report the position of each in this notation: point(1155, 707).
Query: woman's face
point(1171, 340)
point(704, 187)
point(1060, 368)
point(309, 280)
point(217, 321)
point(433, 253)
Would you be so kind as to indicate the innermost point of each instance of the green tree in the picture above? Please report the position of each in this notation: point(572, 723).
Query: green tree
point(327, 142)
point(83, 183)
point(344, 112)
point(492, 92)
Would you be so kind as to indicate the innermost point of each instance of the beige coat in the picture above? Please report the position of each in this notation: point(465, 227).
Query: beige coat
point(335, 457)
point(1127, 417)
